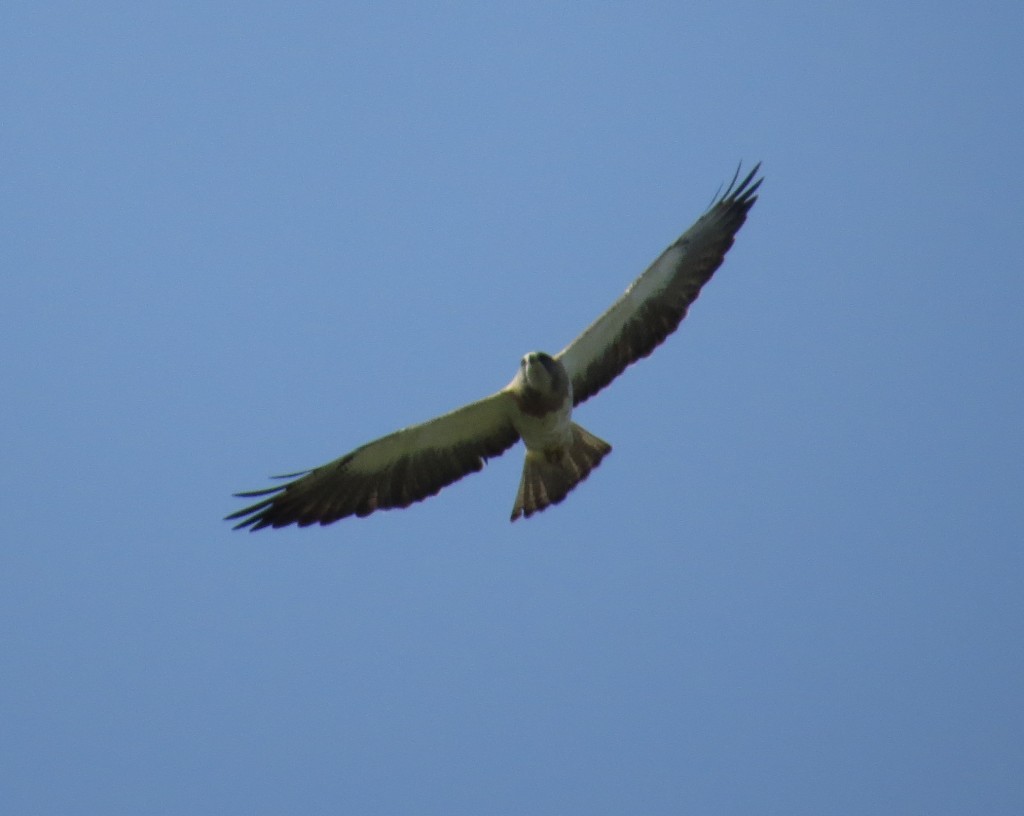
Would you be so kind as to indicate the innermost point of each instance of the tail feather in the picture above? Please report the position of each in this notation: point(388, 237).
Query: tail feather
point(549, 475)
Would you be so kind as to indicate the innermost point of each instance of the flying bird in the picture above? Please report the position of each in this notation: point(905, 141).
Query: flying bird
point(536, 406)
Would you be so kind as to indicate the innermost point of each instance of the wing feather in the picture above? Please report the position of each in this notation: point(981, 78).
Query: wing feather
point(393, 471)
point(656, 302)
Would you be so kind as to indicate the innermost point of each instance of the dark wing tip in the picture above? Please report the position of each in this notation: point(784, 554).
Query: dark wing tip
point(265, 513)
point(254, 516)
point(745, 192)
point(729, 210)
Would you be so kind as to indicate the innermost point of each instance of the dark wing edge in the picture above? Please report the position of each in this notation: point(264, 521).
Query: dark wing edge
point(656, 303)
point(394, 471)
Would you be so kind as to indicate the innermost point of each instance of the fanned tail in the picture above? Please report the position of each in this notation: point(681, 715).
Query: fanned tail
point(548, 476)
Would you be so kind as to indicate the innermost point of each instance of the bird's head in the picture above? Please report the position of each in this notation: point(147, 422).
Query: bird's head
point(543, 373)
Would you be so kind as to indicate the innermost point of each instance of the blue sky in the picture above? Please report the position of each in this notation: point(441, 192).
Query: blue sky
point(240, 241)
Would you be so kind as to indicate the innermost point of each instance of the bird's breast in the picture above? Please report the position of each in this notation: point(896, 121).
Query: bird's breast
point(546, 430)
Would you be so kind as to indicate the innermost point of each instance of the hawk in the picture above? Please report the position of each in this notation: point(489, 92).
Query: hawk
point(536, 406)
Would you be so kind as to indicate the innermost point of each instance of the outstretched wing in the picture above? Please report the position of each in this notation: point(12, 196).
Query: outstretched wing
point(394, 471)
point(655, 303)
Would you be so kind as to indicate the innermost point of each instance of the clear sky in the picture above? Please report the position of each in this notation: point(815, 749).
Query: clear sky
point(241, 240)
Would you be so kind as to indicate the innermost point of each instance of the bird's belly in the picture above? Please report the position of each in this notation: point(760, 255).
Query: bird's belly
point(552, 430)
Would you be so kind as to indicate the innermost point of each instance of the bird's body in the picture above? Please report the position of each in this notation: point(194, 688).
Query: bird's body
point(559, 453)
point(536, 406)
point(543, 393)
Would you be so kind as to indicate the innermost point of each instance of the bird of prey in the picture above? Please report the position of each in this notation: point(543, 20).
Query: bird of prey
point(536, 406)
